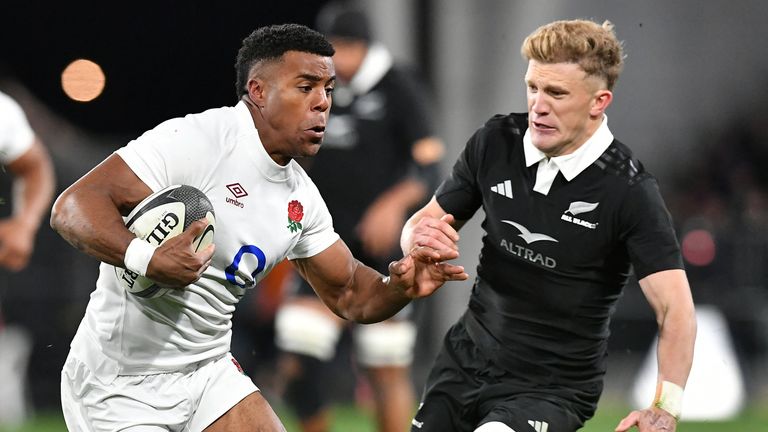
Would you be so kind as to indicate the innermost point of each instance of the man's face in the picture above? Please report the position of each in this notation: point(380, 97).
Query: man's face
point(296, 103)
point(563, 108)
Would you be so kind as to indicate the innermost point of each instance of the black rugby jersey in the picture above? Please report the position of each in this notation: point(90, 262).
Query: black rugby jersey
point(553, 266)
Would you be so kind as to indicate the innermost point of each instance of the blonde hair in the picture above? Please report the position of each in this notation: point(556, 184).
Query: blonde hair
point(592, 46)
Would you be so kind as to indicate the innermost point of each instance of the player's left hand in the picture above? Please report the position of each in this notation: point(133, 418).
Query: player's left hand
point(416, 276)
point(648, 420)
point(16, 243)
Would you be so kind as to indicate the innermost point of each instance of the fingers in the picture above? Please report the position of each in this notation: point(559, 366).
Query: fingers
point(628, 421)
point(195, 228)
point(436, 234)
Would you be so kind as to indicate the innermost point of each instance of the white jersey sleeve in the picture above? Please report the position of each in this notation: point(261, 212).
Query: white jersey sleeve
point(16, 136)
point(178, 140)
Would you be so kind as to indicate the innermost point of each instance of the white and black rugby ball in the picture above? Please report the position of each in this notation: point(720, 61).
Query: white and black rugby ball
point(160, 216)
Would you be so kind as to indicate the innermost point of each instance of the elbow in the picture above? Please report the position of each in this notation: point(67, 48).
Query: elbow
point(58, 220)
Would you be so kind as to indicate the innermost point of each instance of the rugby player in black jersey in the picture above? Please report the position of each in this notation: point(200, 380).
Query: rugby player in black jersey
point(569, 212)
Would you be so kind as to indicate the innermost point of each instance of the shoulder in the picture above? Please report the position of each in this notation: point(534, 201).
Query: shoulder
point(513, 123)
point(619, 161)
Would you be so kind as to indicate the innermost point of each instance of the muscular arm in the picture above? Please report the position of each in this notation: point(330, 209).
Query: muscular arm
point(88, 215)
point(33, 190)
point(670, 297)
point(357, 292)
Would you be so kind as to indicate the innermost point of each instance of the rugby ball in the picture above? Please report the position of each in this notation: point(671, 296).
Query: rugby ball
point(159, 217)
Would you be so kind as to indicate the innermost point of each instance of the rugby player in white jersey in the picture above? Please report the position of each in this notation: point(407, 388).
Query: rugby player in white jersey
point(163, 363)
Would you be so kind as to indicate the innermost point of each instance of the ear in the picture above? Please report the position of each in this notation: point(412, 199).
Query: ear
point(256, 90)
point(600, 102)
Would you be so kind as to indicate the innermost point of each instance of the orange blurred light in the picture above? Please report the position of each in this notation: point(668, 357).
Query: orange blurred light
point(83, 80)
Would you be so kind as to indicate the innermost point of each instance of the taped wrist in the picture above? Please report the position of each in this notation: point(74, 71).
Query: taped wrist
point(669, 397)
point(137, 256)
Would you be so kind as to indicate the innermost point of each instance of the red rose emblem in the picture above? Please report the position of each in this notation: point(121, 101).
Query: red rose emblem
point(295, 215)
point(295, 211)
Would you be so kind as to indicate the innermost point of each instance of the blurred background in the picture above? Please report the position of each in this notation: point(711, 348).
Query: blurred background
point(691, 102)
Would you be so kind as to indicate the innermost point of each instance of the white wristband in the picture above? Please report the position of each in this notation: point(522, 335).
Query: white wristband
point(669, 397)
point(137, 256)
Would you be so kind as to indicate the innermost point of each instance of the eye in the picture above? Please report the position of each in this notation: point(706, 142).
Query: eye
point(306, 88)
point(329, 91)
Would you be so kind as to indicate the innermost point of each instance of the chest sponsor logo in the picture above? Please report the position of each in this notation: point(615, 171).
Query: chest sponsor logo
point(504, 189)
point(577, 208)
point(239, 192)
point(525, 252)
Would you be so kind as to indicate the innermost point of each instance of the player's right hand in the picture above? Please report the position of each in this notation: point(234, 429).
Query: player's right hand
point(175, 264)
point(434, 239)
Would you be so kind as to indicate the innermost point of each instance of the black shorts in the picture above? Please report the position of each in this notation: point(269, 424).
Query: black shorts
point(465, 390)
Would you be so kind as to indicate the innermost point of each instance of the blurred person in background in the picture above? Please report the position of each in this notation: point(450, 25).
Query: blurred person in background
point(569, 211)
point(25, 158)
point(378, 164)
point(164, 363)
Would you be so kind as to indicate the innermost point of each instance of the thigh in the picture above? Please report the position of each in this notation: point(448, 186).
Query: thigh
point(226, 396)
point(531, 414)
point(450, 395)
point(135, 403)
point(250, 414)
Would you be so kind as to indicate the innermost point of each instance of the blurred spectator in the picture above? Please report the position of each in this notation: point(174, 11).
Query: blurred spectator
point(378, 162)
point(23, 155)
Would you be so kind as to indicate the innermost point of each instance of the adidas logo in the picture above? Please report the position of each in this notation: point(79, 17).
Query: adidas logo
point(539, 426)
point(503, 188)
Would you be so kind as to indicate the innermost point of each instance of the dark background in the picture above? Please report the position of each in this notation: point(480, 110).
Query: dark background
point(161, 59)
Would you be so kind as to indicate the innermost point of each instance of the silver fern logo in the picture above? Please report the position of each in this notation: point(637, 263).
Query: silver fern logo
point(580, 207)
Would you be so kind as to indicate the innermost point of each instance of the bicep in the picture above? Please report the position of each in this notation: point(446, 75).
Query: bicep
point(666, 289)
point(34, 160)
point(329, 271)
point(113, 180)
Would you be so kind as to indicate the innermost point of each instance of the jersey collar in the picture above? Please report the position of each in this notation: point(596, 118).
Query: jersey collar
point(255, 148)
point(574, 163)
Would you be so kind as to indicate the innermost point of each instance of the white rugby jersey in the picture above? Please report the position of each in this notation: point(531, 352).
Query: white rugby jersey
point(16, 135)
point(219, 152)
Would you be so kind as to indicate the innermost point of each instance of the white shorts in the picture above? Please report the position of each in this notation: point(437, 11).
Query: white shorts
point(187, 400)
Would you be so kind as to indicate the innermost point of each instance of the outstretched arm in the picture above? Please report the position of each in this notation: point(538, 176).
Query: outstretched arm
point(357, 292)
point(89, 213)
point(670, 297)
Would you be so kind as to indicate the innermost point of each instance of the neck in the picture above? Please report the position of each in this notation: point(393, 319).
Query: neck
point(263, 129)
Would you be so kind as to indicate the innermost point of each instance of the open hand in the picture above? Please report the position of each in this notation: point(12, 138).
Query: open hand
point(648, 420)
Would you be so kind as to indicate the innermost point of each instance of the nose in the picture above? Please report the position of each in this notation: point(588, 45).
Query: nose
point(322, 102)
point(537, 103)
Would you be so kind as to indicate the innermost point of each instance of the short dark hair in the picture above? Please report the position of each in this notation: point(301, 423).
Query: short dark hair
point(271, 42)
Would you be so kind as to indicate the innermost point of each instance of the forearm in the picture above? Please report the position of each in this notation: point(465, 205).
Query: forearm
point(33, 188)
point(370, 297)
point(677, 334)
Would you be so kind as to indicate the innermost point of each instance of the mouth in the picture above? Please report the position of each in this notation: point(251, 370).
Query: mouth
point(316, 131)
point(541, 126)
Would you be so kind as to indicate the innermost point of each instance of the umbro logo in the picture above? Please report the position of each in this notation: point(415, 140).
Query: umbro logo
point(539, 426)
point(238, 191)
point(579, 207)
point(504, 188)
point(528, 236)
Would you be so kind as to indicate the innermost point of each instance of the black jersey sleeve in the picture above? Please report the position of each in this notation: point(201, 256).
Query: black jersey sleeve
point(459, 194)
point(648, 230)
